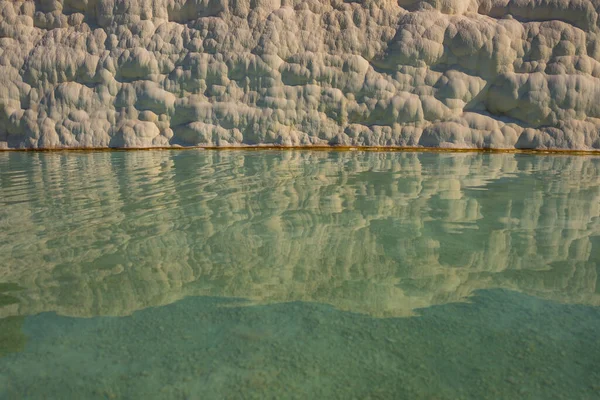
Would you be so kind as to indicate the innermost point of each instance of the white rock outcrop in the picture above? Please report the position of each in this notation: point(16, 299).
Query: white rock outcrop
point(500, 74)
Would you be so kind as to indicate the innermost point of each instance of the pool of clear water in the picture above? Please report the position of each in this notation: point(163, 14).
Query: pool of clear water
point(299, 274)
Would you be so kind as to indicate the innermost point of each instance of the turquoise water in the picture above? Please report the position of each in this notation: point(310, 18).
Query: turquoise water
point(298, 274)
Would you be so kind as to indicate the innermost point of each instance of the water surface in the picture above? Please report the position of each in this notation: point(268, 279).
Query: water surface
point(297, 274)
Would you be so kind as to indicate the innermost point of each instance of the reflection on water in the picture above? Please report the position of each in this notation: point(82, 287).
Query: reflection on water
point(288, 263)
point(382, 234)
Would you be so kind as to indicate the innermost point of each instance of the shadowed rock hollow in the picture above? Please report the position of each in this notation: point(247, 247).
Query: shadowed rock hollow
point(434, 73)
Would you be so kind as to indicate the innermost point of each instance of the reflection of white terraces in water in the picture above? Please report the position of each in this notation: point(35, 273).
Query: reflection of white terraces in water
point(376, 233)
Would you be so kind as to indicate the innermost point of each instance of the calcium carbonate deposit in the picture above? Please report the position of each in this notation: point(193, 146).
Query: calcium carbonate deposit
point(433, 73)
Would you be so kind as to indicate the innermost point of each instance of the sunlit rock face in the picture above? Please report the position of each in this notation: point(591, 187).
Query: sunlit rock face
point(432, 73)
point(381, 234)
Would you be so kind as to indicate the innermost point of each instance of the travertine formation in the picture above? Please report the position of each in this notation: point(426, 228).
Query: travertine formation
point(431, 73)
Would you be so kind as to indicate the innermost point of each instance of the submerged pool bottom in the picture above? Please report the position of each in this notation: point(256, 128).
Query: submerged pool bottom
point(501, 345)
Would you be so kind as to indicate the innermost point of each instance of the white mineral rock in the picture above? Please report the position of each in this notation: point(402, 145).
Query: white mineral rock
point(433, 73)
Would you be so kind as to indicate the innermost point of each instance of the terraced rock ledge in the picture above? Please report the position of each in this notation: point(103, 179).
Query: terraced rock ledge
point(495, 74)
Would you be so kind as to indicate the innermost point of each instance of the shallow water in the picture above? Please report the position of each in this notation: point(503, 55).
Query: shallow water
point(297, 274)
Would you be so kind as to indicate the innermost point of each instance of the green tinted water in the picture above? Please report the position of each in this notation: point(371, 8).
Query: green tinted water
point(264, 274)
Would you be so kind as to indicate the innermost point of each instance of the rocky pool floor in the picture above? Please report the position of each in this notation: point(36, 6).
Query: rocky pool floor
point(501, 344)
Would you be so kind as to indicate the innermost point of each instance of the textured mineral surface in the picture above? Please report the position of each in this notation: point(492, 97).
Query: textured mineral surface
point(500, 74)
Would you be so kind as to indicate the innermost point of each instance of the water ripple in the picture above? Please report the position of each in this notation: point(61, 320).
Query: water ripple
point(382, 234)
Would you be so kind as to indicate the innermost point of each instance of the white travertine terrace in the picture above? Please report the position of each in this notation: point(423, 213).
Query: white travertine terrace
point(500, 74)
